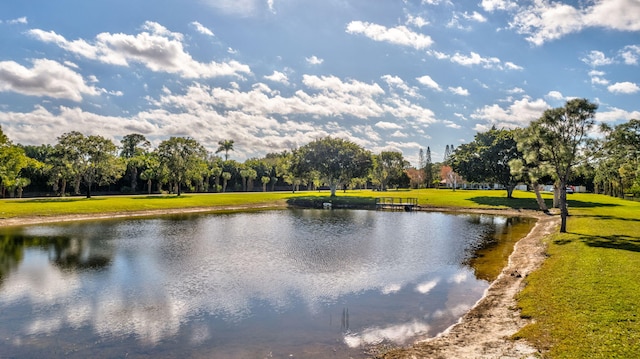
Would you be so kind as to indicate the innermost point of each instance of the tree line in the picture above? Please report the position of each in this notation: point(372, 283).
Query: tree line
point(79, 163)
point(556, 148)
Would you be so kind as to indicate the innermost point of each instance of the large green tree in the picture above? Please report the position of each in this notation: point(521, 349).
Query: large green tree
point(617, 159)
point(181, 156)
point(531, 168)
point(337, 161)
point(487, 157)
point(86, 159)
point(13, 161)
point(61, 162)
point(561, 133)
point(134, 150)
point(388, 168)
point(153, 170)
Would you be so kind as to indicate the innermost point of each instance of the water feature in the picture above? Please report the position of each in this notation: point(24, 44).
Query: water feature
point(292, 283)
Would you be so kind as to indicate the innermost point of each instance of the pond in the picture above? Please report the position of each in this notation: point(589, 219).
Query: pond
point(285, 283)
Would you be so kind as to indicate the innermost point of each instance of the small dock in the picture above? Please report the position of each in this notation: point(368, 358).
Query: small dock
point(407, 204)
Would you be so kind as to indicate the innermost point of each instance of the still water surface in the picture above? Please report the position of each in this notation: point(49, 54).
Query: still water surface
point(291, 283)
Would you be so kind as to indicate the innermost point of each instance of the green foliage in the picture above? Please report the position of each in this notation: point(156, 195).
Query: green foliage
point(558, 137)
point(487, 159)
point(617, 160)
point(335, 160)
point(183, 160)
point(225, 146)
point(388, 169)
point(13, 163)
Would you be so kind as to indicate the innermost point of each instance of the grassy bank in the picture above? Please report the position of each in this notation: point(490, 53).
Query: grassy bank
point(10, 208)
point(110, 204)
point(586, 297)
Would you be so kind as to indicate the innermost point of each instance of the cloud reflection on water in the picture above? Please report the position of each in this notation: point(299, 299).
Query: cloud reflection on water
point(164, 273)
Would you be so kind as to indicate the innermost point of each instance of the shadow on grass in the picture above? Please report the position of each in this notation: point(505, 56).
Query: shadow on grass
point(530, 203)
point(336, 202)
point(623, 242)
point(608, 217)
point(614, 241)
point(60, 200)
point(170, 196)
point(515, 203)
point(583, 204)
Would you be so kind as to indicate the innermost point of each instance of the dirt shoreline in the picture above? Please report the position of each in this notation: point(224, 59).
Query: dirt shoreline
point(483, 332)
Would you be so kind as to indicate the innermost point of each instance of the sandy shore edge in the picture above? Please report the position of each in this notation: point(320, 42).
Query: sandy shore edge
point(483, 332)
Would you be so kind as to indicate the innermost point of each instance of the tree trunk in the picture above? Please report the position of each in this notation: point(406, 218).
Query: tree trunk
point(76, 186)
point(510, 189)
point(564, 211)
point(63, 188)
point(134, 179)
point(541, 204)
point(89, 190)
point(149, 186)
point(332, 187)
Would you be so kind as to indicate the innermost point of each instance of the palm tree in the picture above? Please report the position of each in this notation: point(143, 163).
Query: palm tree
point(226, 146)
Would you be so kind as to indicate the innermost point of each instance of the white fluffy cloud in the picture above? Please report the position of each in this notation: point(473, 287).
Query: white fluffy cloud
point(429, 82)
point(624, 88)
point(630, 54)
point(278, 76)
point(613, 114)
point(492, 5)
point(518, 114)
point(474, 59)
point(156, 48)
point(20, 20)
point(547, 20)
point(399, 35)
point(459, 91)
point(47, 78)
point(555, 95)
point(597, 58)
point(202, 29)
point(314, 60)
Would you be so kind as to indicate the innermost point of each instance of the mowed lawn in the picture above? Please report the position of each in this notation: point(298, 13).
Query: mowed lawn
point(104, 204)
point(585, 300)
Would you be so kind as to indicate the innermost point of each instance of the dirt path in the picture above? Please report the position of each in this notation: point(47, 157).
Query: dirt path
point(485, 330)
point(481, 333)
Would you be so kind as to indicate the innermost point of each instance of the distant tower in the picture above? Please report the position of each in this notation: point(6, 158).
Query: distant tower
point(447, 153)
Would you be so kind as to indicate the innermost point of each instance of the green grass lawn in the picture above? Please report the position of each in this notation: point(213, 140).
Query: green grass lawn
point(104, 204)
point(585, 299)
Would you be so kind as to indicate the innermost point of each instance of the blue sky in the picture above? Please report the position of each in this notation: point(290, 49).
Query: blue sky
point(274, 75)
